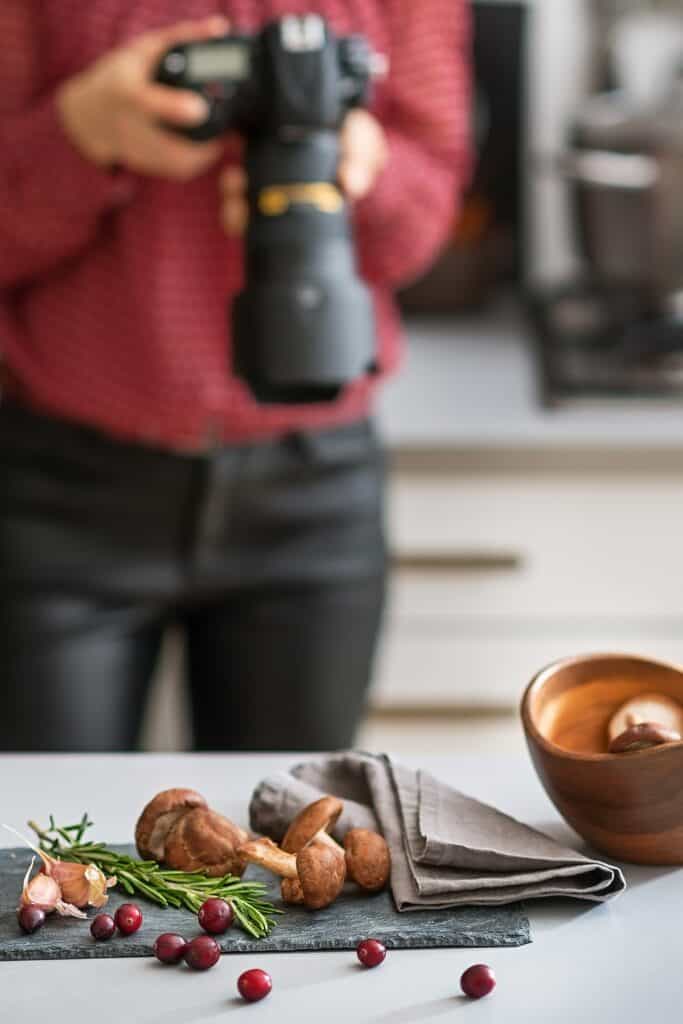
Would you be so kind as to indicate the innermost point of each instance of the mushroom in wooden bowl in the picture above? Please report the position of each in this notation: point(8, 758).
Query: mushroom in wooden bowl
point(604, 732)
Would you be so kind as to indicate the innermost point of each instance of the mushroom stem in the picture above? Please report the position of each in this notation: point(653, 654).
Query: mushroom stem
point(266, 853)
point(323, 836)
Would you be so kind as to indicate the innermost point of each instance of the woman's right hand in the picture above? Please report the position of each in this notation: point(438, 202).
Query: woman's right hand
point(113, 112)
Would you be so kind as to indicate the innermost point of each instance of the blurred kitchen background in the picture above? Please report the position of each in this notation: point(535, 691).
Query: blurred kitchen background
point(536, 431)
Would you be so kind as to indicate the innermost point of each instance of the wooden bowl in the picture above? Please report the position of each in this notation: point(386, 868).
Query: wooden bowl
point(628, 805)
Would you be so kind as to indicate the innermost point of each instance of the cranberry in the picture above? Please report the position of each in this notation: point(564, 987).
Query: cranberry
point(128, 918)
point(254, 985)
point(478, 981)
point(30, 919)
point(169, 948)
point(215, 916)
point(370, 952)
point(102, 927)
point(202, 953)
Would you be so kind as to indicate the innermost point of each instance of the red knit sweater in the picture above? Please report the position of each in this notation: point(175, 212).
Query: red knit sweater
point(113, 289)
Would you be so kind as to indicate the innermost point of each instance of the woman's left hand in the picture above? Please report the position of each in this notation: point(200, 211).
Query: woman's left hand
point(363, 155)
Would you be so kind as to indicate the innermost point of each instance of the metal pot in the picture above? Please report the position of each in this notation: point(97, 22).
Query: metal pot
point(625, 167)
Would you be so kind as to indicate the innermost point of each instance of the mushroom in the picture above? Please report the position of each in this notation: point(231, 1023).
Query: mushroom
point(269, 855)
point(368, 861)
point(203, 840)
point(323, 814)
point(648, 707)
point(642, 736)
point(159, 817)
point(321, 867)
point(314, 876)
point(291, 891)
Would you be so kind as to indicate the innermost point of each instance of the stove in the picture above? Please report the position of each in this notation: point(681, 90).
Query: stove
point(598, 340)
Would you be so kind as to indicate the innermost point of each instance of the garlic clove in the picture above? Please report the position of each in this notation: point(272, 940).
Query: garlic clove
point(81, 884)
point(41, 891)
point(71, 880)
point(98, 883)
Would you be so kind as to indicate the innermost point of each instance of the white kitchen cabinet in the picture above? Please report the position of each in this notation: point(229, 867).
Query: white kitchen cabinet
point(570, 545)
point(498, 573)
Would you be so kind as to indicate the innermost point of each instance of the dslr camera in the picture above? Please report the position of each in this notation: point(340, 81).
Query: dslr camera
point(303, 328)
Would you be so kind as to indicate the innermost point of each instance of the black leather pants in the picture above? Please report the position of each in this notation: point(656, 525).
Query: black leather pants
point(270, 555)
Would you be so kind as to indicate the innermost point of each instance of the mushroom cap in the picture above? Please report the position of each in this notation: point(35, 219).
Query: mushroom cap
point(291, 891)
point(268, 854)
point(322, 872)
point(159, 816)
point(323, 814)
point(368, 861)
point(203, 840)
point(642, 736)
point(648, 707)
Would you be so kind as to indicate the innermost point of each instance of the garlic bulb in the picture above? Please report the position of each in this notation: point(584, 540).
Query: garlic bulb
point(43, 891)
point(62, 885)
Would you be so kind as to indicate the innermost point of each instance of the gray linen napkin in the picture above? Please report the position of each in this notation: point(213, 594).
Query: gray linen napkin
point(447, 849)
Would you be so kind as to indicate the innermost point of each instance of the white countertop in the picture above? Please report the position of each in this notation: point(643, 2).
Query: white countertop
point(616, 964)
point(471, 382)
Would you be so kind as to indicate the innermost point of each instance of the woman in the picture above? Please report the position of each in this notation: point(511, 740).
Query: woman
point(140, 483)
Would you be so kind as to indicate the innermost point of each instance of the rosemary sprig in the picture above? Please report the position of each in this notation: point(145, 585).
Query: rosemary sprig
point(168, 888)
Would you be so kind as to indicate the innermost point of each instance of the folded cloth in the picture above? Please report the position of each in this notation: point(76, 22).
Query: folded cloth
point(447, 849)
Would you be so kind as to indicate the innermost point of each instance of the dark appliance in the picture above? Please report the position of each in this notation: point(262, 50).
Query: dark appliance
point(486, 245)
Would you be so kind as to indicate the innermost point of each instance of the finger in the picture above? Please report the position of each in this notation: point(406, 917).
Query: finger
point(363, 154)
point(235, 216)
point(152, 45)
point(355, 169)
point(356, 176)
point(233, 181)
point(174, 106)
point(163, 154)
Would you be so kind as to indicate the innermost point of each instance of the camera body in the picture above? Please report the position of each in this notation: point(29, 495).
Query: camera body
point(304, 326)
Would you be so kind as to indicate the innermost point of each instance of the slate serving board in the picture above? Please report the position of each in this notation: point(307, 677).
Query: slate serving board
point(353, 917)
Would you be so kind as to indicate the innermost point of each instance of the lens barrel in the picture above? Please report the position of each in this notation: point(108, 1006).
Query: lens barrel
point(304, 326)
